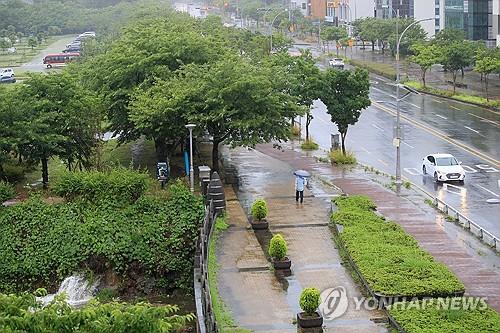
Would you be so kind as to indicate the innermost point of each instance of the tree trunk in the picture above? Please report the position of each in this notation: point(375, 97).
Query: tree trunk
point(486, 84)
point(373, 45)
point(215, 156)
point(423, 76)
point(161, 149)
point(45, 172)
point(462, 72)
point(454, 82)
point(308, 122)
point(342, 137)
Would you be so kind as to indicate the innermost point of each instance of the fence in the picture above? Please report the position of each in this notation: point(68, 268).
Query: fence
point(483, 234)
point(206, 322)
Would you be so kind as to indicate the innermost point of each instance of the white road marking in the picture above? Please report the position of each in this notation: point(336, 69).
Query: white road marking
point(383, 92)
point(378, 127)
point(471, 129)
point(408, 144)
point(384, 163)
point(499, 183)
point(486, 168)
point(440, 116)
point(454, 107)
point(438, 101)
point(413, 171)
point(418, 107)
point(491, 192)
point(485, 120)
point(365, 150)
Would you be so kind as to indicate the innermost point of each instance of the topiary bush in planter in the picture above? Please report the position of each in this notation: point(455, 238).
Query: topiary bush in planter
point(278, 251)
point(259, 213)
point(309, 303)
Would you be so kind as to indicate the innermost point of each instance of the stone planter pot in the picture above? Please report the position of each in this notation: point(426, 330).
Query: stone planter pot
point(308, 321)
point(259, 224)
point(286, 263)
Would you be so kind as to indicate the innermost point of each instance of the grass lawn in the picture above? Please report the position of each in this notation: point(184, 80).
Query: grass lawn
point(24, 53)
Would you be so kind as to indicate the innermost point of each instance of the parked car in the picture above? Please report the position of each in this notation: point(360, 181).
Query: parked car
point(443, 167)
point(74, 43)
point(71, 49)
point(7, 79)
point(337, 63)
point(6, 72)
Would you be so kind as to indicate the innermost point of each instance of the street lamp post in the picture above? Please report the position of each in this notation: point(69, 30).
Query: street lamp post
point(271, 29)
point(191, 169)
point(397, 141)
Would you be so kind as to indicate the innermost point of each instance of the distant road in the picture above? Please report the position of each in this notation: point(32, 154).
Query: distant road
point(36, 64)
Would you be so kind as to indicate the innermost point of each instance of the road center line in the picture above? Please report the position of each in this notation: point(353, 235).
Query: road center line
point(484, 188)
point(440, 116)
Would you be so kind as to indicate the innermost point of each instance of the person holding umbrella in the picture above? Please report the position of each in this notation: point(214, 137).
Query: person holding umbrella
point(300, 182)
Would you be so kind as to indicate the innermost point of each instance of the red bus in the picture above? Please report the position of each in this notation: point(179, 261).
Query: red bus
point(59, 58)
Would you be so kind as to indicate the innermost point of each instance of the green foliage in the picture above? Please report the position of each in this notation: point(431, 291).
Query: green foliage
point(277, 247)
point(12, 173)
point(295, 130)
point(446, 315)
point(345, 94)
point(7, 191)
point(389, 259)
point(259, 209)
point(24, 314)
point(425, 55)
point(309, 145)
point(456, 56)
point(106, 295)
point(385, 70)
point(337, 157)
point(310, 300)
point(42, 243)
point(120, 184)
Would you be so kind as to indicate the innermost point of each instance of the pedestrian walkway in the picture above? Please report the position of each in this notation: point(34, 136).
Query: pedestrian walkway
point(260, 299)
point(479, 279)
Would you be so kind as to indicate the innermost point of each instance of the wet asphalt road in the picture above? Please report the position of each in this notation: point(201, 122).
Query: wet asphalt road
point(430, 125)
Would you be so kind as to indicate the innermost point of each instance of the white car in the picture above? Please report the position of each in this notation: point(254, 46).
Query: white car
point(337, 63)
point(443, 167)
point(6, 72)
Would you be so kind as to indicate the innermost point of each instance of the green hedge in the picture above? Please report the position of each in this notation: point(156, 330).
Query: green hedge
point(40, 244)
point(434, 317)
point(388, 258)
point(19, 314)
point(121, 183)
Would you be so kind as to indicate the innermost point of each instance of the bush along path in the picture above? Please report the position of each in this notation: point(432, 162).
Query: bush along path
point(478, 279)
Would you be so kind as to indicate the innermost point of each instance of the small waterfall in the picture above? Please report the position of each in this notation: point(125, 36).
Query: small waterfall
point(77, 289)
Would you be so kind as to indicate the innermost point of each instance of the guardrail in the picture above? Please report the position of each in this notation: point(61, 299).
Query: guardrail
point(474, 228)
point(206, 322)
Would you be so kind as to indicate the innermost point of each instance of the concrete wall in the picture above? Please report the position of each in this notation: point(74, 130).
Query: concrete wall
point(426, 9)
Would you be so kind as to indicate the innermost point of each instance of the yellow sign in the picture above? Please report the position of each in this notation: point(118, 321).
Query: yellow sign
point(331, 5)
point(351, 42)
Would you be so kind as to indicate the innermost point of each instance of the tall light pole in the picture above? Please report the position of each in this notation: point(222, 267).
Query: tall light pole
point(271, 29)
point(191, 170)
point(397, 140)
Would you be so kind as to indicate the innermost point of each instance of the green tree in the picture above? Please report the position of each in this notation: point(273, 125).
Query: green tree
point(333, 34)
point(487, 64)
point(32, 42)
point(4, 44)
point(425, 55)
point(345, 94)
point(59, 119)
point(53, 30)
point(448, 36)
point(238, 103)
point(415, 34)
point(456, 56)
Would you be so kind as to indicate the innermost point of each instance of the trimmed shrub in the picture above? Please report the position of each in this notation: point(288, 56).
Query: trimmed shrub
point(337, 157)
point(446, 315)
point(277, 247)
point(309, 300)
point(389, 259)
point(309, 145)
point(124, 184)
point(259, 209)
point(7, 191)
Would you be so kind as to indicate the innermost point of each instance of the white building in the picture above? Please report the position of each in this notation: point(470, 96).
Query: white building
point(424, 9)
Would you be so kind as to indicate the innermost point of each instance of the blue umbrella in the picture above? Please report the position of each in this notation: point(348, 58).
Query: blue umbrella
point(302, 173)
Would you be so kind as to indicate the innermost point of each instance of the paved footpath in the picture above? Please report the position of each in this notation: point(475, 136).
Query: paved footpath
point(479, 279)
point(260, 299)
